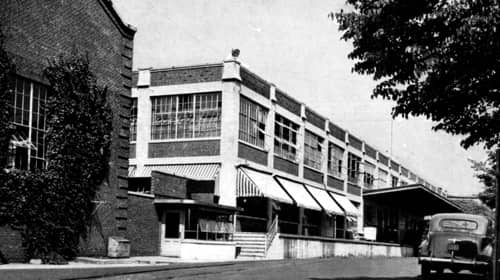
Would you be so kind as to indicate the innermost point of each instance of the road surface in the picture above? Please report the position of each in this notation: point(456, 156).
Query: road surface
point(308, 269)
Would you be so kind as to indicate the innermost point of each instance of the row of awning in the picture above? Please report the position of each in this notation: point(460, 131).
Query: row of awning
point(253, 183)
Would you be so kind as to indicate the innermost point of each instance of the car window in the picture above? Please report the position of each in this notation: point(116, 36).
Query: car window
point(458, 224)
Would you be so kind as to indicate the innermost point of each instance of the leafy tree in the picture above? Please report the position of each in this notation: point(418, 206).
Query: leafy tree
point(435, 58)
point(52, 208)
point(485, 172)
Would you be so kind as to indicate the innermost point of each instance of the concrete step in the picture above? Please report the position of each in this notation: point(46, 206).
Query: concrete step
point(251, 244)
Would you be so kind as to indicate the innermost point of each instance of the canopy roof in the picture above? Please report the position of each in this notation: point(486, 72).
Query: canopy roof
point(416, 198)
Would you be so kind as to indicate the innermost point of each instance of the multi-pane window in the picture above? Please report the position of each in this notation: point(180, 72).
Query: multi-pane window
point(253, 118)
point(28, 147)
point(353, 162)
point(394, 181)
point(312, 150)
point(186, 116)
point(335, 157)
point(133, 120)
point(382, 178)
point(285, 138)
point(369, 172)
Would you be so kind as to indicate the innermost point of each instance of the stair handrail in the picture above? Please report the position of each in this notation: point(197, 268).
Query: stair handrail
point(271, 232)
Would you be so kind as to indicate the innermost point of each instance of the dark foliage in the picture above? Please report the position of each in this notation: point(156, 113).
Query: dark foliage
point(435, 58)
point(52, 208)
point(485, 172)
point(6, 130)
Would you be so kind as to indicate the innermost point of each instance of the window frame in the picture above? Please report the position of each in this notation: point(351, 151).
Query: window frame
point(30, 121)
point(313, 150)
point(253, 119)
point(353, 164)
point(369, 177)
point(186, 116)
point(334, 167)
point(281, 123)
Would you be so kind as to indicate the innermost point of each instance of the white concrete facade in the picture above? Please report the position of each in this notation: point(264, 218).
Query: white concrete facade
point(232, 89)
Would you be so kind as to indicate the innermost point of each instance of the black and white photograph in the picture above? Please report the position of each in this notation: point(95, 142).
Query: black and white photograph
point(249, 139)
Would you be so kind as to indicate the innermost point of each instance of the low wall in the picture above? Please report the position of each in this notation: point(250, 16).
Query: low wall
point(288, 246)
point(208, 250)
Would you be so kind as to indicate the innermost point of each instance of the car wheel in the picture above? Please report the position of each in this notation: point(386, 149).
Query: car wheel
point(425, 271)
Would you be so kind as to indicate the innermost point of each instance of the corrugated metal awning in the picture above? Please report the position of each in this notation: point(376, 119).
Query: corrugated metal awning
point(346, 204)
point(251, 183)
point(131, 170)
point(325, 200)
point(299, 194)
point(202, 171)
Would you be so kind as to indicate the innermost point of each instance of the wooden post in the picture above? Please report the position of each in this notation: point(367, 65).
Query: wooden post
point(496, 249)
point(269, 214)
point(301, 220)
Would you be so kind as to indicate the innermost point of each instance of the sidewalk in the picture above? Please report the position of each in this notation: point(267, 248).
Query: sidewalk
point(91, 268)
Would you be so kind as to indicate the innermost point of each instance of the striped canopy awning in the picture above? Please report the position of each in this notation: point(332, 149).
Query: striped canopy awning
point(346, 204)
point(251, 183)
point(202, 171)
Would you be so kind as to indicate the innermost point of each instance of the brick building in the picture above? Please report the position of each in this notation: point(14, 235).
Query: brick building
point(215, 144)
point(39, 30)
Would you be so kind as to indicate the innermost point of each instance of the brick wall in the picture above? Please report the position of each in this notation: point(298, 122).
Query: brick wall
point(394, 166)
point(371, 152)
point(252, 154)
point(313, 175)
point(383, 159)
point(286, 166)
point(144, 226)
point(355, 142)
point(166, 185)
point(38, 30)
point(353, 189)
point(255, 83)
point(336, 131)
point(315, 119)
point(132, 151)
point(186, 75)
point(184, 149)
point(287, 102)
point(335, 183)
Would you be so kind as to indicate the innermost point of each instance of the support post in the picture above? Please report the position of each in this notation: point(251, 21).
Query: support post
point(496, 249)
point(269, 214)
point(301, 221)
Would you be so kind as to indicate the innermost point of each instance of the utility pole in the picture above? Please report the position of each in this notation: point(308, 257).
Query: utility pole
point(496, 252)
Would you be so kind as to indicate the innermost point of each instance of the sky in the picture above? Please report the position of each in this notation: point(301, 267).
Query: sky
point(293, 44)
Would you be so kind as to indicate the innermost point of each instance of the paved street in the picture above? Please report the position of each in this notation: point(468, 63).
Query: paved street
point(310, 269)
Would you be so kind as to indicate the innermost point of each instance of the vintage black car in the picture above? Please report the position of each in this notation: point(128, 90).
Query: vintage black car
point(457, 242)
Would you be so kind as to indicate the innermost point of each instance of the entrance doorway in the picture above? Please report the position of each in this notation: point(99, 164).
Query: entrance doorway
point(172, 230)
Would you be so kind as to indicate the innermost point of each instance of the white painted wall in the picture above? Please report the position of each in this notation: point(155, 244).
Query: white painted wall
point(207, 250)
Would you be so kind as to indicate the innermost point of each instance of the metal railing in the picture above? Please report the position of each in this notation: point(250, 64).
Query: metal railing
point(271, 232)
